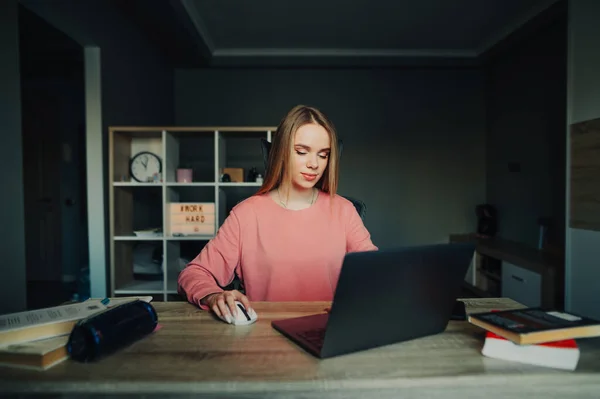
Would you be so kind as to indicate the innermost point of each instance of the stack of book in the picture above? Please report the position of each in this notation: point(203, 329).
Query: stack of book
point(535, 336)
point(37, 339)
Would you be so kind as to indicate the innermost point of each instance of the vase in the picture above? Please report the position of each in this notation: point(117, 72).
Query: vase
point(184, 175)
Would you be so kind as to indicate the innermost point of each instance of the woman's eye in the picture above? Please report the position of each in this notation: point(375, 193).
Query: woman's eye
point(323, 156)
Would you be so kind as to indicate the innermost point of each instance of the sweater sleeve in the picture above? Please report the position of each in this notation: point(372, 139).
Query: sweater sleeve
point(358, 238)
point(214, 266)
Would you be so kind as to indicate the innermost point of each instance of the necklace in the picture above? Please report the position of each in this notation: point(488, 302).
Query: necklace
point(312, 198)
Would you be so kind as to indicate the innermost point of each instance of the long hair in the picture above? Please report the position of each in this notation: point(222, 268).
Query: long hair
point(280, 155)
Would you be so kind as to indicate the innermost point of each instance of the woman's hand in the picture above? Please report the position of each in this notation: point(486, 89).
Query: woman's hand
point(223, 303)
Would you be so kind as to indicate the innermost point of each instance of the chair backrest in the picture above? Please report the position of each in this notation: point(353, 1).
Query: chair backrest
point(360, 206)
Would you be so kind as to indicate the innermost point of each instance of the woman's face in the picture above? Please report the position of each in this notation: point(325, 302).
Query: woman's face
point(310, 155)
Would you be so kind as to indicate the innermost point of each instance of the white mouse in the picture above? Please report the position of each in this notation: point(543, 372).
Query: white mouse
point(243, 317)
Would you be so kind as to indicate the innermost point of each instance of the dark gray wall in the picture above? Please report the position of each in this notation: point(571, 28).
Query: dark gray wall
point(526, 115)
point(583, 246)
point(413, 138)
point(12, 231)
point(136, 87)
point(137, 82)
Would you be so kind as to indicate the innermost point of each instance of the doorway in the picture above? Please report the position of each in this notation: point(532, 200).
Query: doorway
point(54, 176)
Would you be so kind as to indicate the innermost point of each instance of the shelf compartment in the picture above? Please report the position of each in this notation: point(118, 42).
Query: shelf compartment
point(125, 144)
point(136, 208)
point(179, 254)
point(193, 150)
point(241, 149)
point(138, 267)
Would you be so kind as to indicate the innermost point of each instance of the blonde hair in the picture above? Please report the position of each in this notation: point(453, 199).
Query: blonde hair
point(279, 163)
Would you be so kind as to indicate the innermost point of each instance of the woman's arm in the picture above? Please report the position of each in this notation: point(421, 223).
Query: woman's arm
point(214, 267)
point(358, 238)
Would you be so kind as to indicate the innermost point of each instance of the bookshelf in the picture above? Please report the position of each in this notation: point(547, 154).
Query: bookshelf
point(150, 241)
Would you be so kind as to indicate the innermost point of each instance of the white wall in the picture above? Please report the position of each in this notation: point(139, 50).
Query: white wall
point(582, 247)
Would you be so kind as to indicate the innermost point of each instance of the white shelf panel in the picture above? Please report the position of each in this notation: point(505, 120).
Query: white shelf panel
point(189, 238)
point(248, 184)
point(135, 184)
point(141, 287)
point(136, 238)
point(194, 184)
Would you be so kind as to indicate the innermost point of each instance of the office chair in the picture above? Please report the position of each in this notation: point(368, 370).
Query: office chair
point(360, 206)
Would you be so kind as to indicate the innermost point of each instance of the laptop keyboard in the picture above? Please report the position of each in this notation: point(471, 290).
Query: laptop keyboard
point(314, 336)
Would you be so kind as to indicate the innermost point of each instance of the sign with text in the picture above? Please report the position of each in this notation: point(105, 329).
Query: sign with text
point(190, 219)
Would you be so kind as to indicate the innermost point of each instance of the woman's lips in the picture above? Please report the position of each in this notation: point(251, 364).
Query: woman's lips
point(309, 176)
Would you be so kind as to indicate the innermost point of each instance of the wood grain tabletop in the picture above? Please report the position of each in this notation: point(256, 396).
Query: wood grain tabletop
point(194, 353)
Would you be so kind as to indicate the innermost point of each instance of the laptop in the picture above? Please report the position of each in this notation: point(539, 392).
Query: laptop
point(384, 297)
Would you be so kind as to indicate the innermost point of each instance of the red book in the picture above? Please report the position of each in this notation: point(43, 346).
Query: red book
point(562, 354)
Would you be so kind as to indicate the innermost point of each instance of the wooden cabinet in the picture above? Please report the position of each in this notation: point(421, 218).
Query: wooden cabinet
point(149, 244)
point(510, 269)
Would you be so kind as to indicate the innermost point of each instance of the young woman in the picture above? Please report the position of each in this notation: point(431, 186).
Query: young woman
point(287, 242)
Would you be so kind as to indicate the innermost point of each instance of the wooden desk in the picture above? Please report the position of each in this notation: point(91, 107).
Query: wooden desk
point(195, 354)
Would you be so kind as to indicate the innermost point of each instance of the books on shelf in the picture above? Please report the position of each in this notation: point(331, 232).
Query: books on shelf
point(562, 354)
point(535, 325)
point(149, 233)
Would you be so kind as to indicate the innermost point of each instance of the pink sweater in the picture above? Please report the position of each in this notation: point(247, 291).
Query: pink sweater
point(279, 254)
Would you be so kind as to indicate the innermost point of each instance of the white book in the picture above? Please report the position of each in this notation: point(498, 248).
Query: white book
point(45, 323)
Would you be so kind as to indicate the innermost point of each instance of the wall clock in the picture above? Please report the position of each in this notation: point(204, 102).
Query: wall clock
point(144, 166)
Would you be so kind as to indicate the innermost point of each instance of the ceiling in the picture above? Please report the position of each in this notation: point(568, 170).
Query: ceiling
point(361, 32)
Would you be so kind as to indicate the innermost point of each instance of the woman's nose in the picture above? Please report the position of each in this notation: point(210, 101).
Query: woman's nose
point(312, 162)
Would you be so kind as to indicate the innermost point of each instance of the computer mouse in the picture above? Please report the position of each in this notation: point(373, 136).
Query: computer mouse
point(243, 316)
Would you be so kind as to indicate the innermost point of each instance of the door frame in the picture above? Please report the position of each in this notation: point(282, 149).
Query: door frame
point(94, 138)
